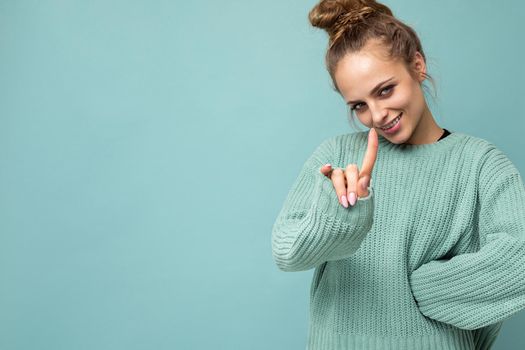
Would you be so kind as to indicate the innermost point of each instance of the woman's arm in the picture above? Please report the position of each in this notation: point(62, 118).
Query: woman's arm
point(477, 289)
point(312, 226)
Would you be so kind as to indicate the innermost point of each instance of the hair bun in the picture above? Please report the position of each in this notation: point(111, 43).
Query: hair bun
point(332, 15)
point(352, 17)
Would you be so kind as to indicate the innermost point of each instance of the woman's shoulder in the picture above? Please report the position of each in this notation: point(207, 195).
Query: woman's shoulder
point(347, 141)
point(477, 142)
point(488, 149)
point(351, 140)
point(493, 162)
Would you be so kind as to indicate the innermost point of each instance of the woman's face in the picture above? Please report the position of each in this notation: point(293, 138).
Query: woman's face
point(378, 90)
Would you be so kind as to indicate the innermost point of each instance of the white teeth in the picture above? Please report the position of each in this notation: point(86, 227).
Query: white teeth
point(392, 123)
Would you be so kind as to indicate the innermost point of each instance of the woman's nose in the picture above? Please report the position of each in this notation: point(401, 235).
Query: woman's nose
point(379, 116)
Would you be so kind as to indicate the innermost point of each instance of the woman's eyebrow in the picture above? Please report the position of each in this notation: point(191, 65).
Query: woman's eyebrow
point(373, 91)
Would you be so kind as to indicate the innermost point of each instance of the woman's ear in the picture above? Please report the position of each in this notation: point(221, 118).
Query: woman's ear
point(419, 66)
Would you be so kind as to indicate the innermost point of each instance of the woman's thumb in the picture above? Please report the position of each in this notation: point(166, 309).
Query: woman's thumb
point(365, 182)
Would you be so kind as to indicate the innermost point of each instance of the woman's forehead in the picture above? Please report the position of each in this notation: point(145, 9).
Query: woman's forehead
point(361, 72)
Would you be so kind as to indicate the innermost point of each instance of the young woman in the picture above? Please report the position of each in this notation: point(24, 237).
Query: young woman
point(423, 245)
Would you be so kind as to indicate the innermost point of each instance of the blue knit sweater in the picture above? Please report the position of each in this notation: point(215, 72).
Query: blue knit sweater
point(432, 258)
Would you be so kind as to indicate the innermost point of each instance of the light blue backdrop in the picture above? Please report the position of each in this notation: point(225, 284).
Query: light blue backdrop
point(146, 148)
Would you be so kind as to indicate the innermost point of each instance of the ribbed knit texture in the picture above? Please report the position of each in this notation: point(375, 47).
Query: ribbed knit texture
point(432, 258)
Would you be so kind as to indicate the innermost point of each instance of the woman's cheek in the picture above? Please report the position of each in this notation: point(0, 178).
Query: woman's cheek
point(365, 119)
point(400, 100)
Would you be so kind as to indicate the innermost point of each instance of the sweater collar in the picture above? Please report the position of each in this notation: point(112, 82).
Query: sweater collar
point(442, 145)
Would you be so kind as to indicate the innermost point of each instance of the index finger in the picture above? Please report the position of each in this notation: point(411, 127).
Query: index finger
point(370, 154)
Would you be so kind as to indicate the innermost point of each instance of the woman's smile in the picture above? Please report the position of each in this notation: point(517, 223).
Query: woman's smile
point(394, 126)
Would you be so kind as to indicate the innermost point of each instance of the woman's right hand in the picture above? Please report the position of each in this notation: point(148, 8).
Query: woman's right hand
point(350, 183)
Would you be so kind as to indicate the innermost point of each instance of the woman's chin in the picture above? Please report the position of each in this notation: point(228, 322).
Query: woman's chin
point(398, 138)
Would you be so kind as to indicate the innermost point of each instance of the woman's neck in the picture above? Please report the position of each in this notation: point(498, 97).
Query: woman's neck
point(427, 131)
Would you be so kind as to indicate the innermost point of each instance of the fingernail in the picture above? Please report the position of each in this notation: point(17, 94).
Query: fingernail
point(345, 202)
point(328, 164)
point(352, 198)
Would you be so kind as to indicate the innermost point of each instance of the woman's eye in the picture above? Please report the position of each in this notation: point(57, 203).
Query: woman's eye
point(388, 88)
point(355, 107)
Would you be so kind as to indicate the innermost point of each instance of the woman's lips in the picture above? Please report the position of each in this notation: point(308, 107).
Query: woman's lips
point(396, 126)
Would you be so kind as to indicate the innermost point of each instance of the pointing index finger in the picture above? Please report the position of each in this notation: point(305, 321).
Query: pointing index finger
point(370, 154)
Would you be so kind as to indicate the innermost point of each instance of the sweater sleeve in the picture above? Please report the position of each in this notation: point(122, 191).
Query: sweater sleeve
point(312, 226)
point(485, 287)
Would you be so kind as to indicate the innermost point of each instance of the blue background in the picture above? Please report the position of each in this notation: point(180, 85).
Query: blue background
point(146, 148)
